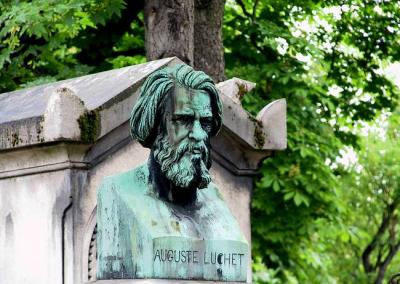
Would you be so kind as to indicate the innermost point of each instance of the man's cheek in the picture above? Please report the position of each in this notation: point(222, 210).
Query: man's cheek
point(178, 135)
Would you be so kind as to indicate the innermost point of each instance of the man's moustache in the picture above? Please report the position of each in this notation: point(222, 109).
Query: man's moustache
point(193, 148)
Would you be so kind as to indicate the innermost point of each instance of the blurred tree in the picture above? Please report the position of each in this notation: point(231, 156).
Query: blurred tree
point(370, 190)
point(380, 181)
point(380, 199)
point(327, 59)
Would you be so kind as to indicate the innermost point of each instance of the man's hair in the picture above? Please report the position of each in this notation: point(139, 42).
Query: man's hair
point(144, 122)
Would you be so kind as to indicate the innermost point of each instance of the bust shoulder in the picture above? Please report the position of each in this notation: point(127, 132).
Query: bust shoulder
point(135, 179)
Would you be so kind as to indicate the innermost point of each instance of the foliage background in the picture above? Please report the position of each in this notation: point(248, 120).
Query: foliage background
point(319, 204)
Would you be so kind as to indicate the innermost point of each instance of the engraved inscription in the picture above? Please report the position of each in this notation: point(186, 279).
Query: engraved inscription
point(194, 256)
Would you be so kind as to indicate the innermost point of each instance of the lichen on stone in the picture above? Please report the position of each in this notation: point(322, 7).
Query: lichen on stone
point(15, 139)
point(259, 135)
point(89, 124)
point(39, 130)
point(242, 91)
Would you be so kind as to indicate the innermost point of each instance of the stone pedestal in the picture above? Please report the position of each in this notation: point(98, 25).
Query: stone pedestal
point(157, 281)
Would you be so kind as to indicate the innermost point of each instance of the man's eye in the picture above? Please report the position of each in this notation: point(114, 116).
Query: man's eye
point(183, 118)
point(206, 120)
point(206, 123)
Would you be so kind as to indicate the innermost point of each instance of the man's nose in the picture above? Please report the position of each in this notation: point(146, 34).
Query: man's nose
point(197, 132)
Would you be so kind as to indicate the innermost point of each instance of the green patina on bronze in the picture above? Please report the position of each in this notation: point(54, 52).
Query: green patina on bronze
point(131, 245)
point(147, 111)
point(189, 104)
point(166, 219)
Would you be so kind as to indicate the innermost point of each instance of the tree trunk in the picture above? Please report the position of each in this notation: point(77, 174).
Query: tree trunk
point(208, 46)
point(188, 29)
point(169, 28)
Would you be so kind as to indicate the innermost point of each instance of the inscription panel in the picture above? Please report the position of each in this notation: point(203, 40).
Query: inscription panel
point(182, 258)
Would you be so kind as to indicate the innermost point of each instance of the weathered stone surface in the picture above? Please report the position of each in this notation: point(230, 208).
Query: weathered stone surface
point(235, 88)
point(258, 133)
point(22, 112)
point(61, 117)
point(273, 118)
point(94, 90)
point(108, 97)
point(31, 214)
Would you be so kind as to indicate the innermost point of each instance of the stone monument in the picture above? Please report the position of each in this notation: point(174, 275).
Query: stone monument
point(166, 219)
point(59, 140)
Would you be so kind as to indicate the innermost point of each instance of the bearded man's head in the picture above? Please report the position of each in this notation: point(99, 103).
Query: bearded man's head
point(177, 113)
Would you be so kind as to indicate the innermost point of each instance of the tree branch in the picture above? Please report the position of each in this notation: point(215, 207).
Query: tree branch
point(388, 259)
point(386, 218)
point(253, 16)
point(241, 4)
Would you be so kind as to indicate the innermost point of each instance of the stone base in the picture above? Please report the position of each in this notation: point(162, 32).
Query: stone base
point(158, 281)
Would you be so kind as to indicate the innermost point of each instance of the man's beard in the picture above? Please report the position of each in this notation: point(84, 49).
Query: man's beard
point(179, 165)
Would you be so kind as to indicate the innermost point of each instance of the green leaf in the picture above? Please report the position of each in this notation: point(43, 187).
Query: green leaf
point(275, 186)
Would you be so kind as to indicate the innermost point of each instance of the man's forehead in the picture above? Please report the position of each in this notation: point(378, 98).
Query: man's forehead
point(186, 99)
